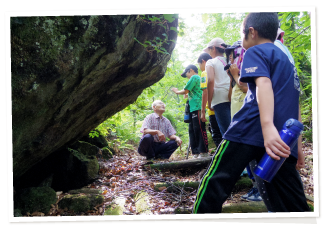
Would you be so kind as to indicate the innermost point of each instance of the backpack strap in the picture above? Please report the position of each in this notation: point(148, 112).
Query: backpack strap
point(222, 61)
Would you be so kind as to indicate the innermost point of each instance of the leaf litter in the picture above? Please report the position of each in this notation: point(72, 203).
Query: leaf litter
point(124, 175)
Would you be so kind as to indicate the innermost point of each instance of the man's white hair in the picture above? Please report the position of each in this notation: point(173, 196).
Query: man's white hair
point(157, 102)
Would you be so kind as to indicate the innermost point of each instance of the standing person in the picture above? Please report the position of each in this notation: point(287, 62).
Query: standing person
point(218, 84)
point(214, 129)
point(197, 128)
point(271, 100)
point(155, 129)
point(237, 92)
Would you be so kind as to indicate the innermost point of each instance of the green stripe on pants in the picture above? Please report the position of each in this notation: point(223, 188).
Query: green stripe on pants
point(209, 174)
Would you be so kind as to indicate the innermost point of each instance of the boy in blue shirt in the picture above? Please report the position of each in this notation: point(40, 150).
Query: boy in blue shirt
point(272, 98)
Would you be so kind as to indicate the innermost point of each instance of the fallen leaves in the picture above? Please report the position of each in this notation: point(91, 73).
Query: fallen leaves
point(124, 176)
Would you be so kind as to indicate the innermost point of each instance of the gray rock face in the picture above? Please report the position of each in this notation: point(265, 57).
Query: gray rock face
point(69, 74)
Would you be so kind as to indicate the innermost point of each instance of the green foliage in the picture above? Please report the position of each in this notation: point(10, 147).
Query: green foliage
point(298, 40)
point(157, 43)
point(127, 123)
point(224, 25)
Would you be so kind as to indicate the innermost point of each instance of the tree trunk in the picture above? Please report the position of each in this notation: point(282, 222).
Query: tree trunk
point(192, 163)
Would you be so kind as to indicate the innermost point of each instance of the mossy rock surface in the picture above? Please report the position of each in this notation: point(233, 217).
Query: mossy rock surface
point(243, 183)
point(86, 148)
point(116, 207)
point(141, 204)
point(89, 162)
point(80, 202)
point(93, 168)
point(107, 153)
point(99, 141)
point(71, 73)
point(17, 213)
point(86, 191)
point(36, 199)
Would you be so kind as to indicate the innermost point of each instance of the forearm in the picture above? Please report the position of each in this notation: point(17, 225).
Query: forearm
point(265, 99)
point(204, 100)
point(299, 143)
point(210, 91)
point(150, 131)
point(210, 84)
point(173, 137)
point(274, 145)
point(230, 92)
point(184, 91)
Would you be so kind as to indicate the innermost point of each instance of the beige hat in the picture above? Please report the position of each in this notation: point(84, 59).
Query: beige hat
point(216, 42)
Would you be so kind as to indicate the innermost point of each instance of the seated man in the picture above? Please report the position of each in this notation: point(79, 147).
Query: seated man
point(155, 129)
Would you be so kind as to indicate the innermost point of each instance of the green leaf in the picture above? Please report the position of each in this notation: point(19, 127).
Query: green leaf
point(155, 19)
point(204, 18)
point(169, 17)
point(174, 29)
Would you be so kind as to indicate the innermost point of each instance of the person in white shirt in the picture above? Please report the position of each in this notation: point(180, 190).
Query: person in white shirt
point(218, 84)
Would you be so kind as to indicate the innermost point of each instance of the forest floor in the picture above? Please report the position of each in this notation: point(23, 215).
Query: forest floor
point(124, 175)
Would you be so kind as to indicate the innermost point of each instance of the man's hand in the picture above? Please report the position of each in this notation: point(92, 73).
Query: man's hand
point(161, 136)
point(203, 116)
point(274, 145)
point(178, 140)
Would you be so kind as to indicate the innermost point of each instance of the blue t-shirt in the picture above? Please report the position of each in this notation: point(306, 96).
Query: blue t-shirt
point(265, 60)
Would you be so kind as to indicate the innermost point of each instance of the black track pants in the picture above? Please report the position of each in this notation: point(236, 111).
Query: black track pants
point(285, 192)
point(197, 134)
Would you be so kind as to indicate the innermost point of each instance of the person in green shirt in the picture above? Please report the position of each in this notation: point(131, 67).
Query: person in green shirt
point(197, 128)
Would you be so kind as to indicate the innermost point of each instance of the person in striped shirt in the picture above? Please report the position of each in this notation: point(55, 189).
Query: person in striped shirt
point(156, 128)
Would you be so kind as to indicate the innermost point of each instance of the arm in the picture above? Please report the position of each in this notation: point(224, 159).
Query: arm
point(301, 157)
point(155, 132)
point(235, 72)
point(184, 91)
point(203, 105)
point(176, 139)
point(210, 85)
point(272, 142)
point(230, 90)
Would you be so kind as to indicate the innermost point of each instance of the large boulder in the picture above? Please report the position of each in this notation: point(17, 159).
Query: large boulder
point(34, 199)
point(81, 200)
point(70, 73)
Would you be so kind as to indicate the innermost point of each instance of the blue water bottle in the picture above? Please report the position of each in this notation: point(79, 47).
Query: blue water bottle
point(266, 226)
point(186, 117)
point(268, 167)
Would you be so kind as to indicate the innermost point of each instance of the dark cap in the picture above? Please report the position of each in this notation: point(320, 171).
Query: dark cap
point(191, 66)
point(234, 46)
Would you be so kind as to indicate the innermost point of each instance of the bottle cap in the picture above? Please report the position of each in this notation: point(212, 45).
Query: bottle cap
point(294, 125)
